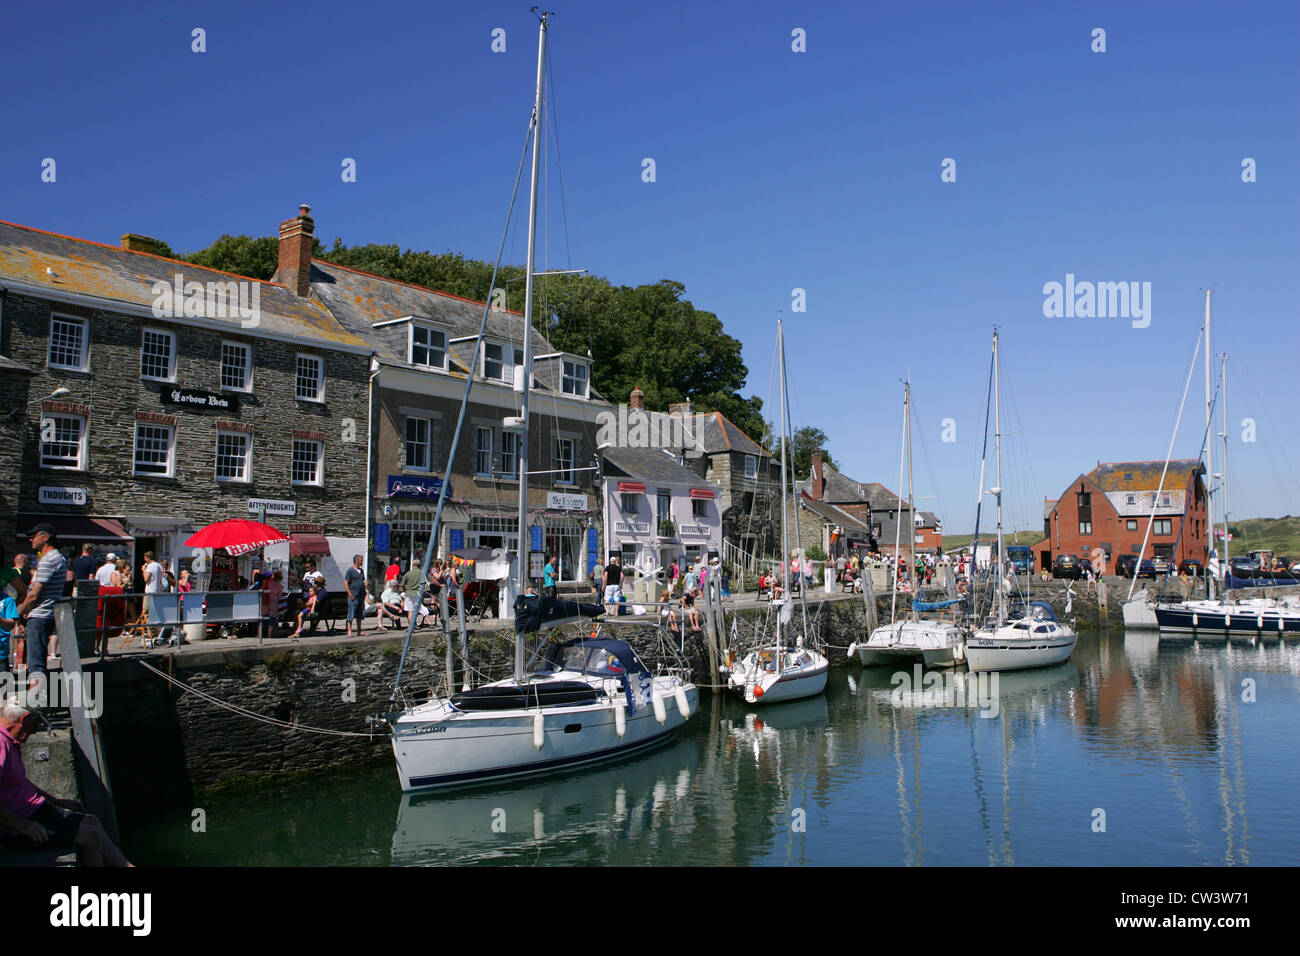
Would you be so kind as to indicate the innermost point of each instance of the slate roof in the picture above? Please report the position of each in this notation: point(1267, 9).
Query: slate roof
point(880, 497)
point(118, 276)
point(651, 465)
point(1143, 475)
point(834, 515)
point(360, 299)
point(840, 487)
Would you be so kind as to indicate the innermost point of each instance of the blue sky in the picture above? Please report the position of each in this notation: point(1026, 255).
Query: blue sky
point(775, 170)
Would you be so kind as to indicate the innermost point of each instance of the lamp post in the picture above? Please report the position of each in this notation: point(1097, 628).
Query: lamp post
point(57, 393)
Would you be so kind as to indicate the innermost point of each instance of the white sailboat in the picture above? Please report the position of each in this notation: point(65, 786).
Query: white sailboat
point(787, 665)
point(1028, 635)
point(934, 642)
point(584, 700)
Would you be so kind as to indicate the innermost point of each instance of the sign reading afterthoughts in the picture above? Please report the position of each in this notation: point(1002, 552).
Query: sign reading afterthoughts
point(275, 507)
point(52, 495)
point(197, 399)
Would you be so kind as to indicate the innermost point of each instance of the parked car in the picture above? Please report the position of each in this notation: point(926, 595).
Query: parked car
point(1161, 563)
point(1125, 564)
point(1242, 567)
point(1067, 566)
point(1191, 566)
point(1147, 569)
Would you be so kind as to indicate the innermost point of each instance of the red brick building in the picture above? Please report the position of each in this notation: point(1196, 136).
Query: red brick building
point(1109, 508)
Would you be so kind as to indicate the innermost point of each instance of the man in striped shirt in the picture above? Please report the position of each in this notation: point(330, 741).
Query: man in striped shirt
point(47, 589)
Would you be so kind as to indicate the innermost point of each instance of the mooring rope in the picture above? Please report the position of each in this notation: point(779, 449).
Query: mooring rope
point(235, 708)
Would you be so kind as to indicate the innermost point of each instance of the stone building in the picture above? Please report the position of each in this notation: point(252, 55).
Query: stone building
point(426, 346)
point(164, 396)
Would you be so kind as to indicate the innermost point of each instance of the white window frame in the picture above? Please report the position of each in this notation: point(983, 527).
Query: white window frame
point(171, 354)
point(320, 377)
point(85, 342)
point(751, 467)
point(248, 457)
point(1163, 526)
point(628, 503)
point(411, 346)
point(565, 377)
point(563, 477)
point(82, 444)
point(247, 387)
point(699, 509)
point(513, 471)
point(169, 469)
point(428, 444)
point(507, 368)
point(319, 481)
point(479, 450)
point(1085, 528)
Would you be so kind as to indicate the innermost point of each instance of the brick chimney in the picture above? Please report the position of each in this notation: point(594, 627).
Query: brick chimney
point(818, 489)
point(134, 242)
point(638, 397)
point(296, 236)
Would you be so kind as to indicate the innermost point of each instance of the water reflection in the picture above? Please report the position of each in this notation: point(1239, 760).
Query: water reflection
point(1186, 750)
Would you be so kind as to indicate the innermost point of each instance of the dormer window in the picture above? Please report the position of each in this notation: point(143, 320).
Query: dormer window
point(574, 380)
point(428, 347)
point(495, 365)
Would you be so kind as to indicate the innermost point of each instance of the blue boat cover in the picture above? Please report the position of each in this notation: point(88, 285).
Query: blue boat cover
point(936, 605)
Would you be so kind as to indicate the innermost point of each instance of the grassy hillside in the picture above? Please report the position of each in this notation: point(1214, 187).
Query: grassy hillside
point(951, 541)
point(1280, 534)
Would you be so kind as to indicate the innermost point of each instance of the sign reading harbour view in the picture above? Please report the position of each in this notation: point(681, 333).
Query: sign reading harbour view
point(275, 507)
point(404, 486)
point(193, 398)
point(52, 495)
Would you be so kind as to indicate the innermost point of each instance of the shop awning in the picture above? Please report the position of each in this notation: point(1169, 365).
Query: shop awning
point(73, 529)
point(156, 522)
point(302, 542)
point(702, 493)
point(631, 487)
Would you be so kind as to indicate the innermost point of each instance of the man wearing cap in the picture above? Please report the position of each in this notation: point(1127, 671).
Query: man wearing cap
point(31, 818)
point(46, 590)
point(105, 573)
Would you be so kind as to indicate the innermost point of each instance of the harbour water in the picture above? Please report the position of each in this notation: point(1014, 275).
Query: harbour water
point(1132, 753)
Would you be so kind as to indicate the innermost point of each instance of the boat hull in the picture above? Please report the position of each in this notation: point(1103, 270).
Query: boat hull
point(451, 748)
point(1010, 654)
point(1139, 615)
point(794, 683)
point(928, 643)
point(1228, 622)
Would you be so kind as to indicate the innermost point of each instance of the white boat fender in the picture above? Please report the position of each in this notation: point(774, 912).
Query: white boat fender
point(853, 648)
point(661, 711)
point(620, 718)
point(539, 730)
point(683, 704)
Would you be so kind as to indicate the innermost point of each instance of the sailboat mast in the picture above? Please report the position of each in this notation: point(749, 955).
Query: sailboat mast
point(1209, 451)
point(1223, 410)
point(898, 516)
point(911, 501)
point(785, 542)
point(997, 454)
point(528, 336)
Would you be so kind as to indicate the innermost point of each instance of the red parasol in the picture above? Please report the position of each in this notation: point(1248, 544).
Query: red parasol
point(238, 536)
